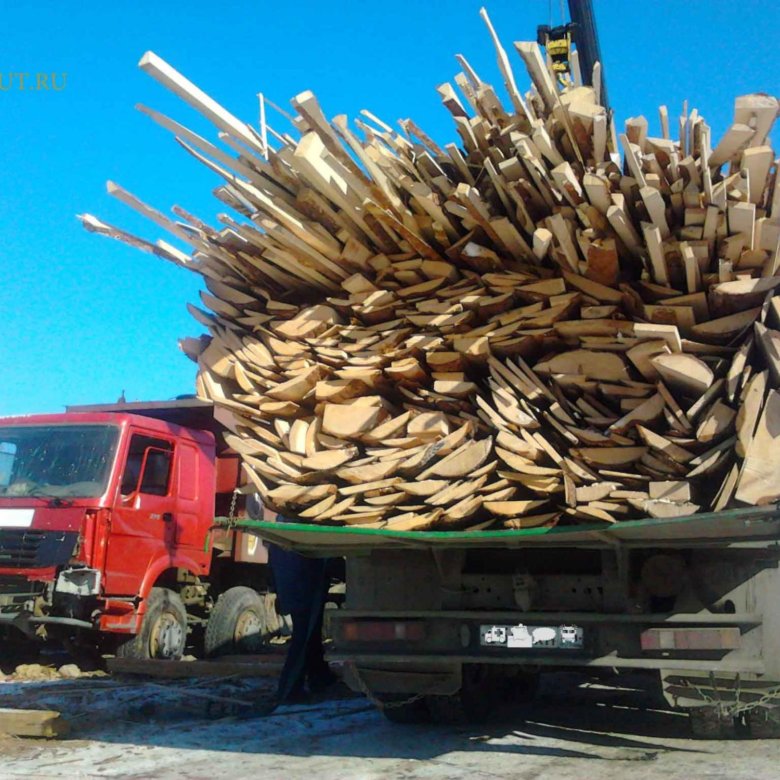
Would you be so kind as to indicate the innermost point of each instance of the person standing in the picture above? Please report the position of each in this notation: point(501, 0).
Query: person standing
point(301, 586)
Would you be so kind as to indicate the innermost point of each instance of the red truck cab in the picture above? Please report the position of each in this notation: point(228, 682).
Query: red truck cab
point(107, 512)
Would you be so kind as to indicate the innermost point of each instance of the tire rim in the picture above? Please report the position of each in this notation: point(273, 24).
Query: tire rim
point(248, 625)
point(167, 636)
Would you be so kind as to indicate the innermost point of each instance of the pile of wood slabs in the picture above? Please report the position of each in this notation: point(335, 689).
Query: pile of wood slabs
point(550, 320)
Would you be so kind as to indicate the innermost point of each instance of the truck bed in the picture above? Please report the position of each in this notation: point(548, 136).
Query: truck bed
point(753, 526)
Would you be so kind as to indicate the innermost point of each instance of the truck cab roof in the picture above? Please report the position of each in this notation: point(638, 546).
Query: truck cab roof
point(198, 427)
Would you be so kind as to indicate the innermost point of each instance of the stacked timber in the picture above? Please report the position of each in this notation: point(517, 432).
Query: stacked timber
point(515, 330)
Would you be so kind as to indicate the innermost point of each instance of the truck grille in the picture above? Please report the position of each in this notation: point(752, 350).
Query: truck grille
point(32, 548)
point(19, 586)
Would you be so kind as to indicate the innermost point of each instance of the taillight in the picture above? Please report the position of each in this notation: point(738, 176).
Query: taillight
point(691, 639)
point(383, 630)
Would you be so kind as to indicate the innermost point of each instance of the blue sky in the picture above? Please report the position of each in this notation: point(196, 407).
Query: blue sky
point(83, 318)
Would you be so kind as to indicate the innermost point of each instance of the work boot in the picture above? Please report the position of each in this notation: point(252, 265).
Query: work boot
point(297, 695)
point(321, 679)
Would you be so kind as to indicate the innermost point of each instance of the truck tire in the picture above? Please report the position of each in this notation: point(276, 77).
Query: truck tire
point(515, 687)
point(475, 702)
point(398, 709)
point(710, 723)
point(163, 631)
point(239, 623)
point(764, 722)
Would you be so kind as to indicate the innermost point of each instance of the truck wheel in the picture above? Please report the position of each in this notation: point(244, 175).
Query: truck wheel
point(239, 623)
point(163, 631)
point(473, 703)
point(514, 687)
point(711, 723)
point(397, 709)
point(764, 723)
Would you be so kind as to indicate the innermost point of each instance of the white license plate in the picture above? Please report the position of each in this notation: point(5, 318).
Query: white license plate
point(531, 637)
point(16, 518)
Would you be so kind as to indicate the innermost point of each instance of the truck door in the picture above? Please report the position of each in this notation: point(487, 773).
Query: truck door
point(191, 521)
point(142, 522)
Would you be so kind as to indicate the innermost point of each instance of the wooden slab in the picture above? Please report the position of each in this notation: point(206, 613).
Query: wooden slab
point(32, 723)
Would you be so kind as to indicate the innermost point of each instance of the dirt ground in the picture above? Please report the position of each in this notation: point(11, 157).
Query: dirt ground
point(577, 728)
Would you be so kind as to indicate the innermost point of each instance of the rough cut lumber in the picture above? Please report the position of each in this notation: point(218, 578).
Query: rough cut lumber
point(749, 411)
point(32, 723)
point(759, 480)
point(610, 456)
point(670, 491)
point(769, 343)
point(266, 665)
point(685, 372)
point(604, 366)
point(409, 334)
point(463, 461)
point(350, 421)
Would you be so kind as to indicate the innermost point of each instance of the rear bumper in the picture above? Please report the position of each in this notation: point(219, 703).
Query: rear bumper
point(614, 641)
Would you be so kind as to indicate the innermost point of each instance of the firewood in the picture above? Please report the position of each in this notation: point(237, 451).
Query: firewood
point(663, 508)
point(726, 490)
point(769, 343)
point(725, 328)
point(368, 487)
point(733, 297)
point(350, 421)
point(355, 475)
point(663, 446)
point(589, 513)
point(410, 335)
point(610, 456)
point(684, 372)
point(749, 411)
point(464, 460)
point(598, 365)
point(524, 466)
point(670, 491)
point(329, 460)
point(718, 420)
point(759, 479)
point(642, 356)
point(645, 412)
point(533, 521)
point(595, 492)
point(712, 392)
point(456, 491)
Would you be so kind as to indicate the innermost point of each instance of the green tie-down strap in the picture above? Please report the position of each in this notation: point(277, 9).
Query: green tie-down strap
point(747, 524)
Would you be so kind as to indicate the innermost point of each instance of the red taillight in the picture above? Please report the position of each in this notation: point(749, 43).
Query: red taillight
point(383, 630)
point(690, 639)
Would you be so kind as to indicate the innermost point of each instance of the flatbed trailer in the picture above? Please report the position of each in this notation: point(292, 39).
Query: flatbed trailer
point(442, 622)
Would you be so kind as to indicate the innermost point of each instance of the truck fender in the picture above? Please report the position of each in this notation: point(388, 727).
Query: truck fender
point(156, 569)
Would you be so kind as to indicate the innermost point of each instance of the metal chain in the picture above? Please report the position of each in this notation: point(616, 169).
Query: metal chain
point(772, 695)
point(770, 698)
point(233, 502)
point(378, 703)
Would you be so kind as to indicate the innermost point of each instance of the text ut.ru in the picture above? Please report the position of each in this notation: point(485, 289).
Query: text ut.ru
point(33, 82)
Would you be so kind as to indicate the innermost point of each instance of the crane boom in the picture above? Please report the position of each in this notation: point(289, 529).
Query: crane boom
point(581, 30)
point(587, 39)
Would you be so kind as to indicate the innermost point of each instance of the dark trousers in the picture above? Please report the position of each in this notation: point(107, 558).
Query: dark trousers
point(305, 661)
point(301, 586)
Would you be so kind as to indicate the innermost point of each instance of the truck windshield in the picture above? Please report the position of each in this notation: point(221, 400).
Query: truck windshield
point(56, 460)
